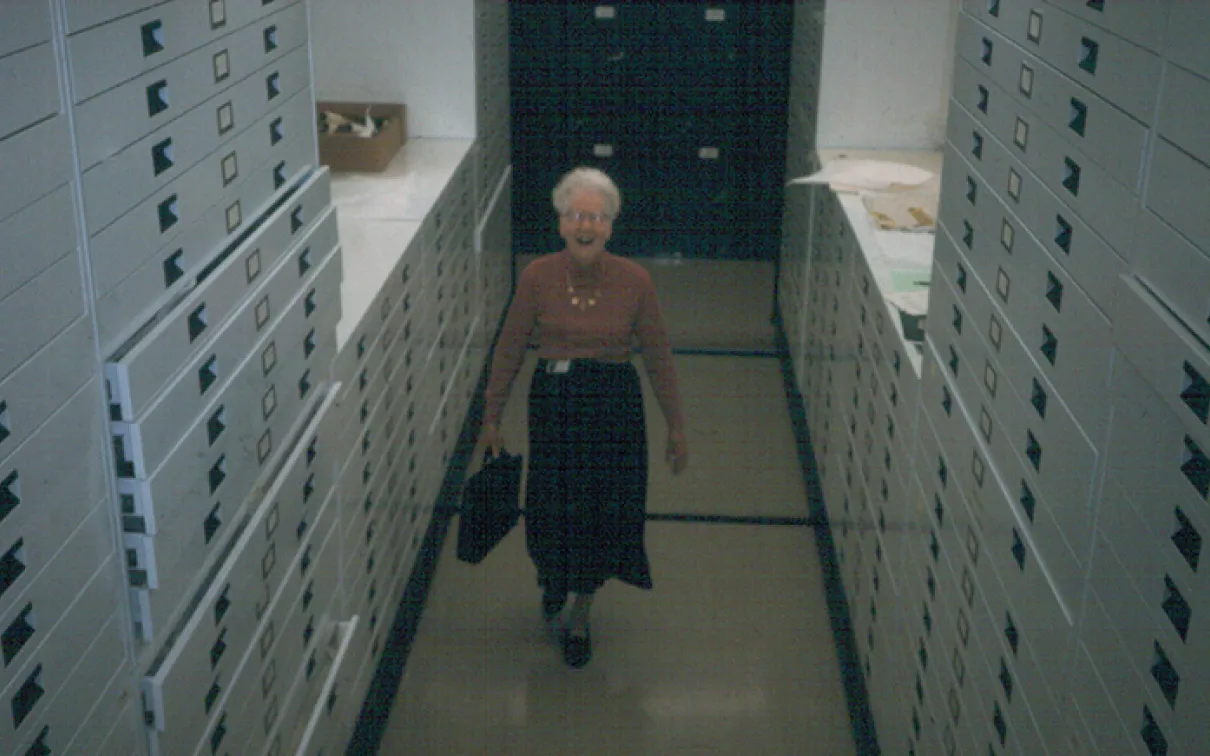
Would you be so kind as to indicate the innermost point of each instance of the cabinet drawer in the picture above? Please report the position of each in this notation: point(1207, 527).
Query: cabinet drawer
point(131, 301)
point(107, 55)
point(210, 486)
point(223, 71)
point(39, 604)
point(56, 691)
point(38, 389)
point(1103, 202)
point(219, 638)
point(233, 305)
point(29, 86)
point(1141, 24)
point(34, 238)
point(26, 23)
point(193, 145)
point(1171, 359)
point(1188, 25)
point(1175, 270)
point(1113, 139)
point(44, 307)
point(42, 505)
point(111, 725)
point(1123, 73)
point(1177, 184)
point(1184, 103)
point(38, 160)
point(199, 169)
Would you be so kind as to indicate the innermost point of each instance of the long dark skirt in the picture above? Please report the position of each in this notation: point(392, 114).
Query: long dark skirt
point(586, 491)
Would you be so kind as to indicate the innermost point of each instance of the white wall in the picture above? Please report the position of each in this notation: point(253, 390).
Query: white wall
point(887, 67)
point(418, 52)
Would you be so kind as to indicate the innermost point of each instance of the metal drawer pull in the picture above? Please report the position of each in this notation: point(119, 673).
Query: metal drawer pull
point(305, 264)
point(209, 527)
point(169, 213)
point(27, 697)
point(984, 97)
point(157, 98)
point(1054, 291)
point(5, 427)
point(1033, 450)
point(1187, 540)
point(1077, 121)
point(216, 737)
point(1028, 502)
point(197, 323)
point(10, 494)
point(1089, 51)
point(1071, 176)
point(296, 220)
point(1196, 467)
point(216, 425)
point(1195, 392)
point(1039, 399)
point(1050, 345)
point(218, 473)
point(273, 85)
point(208, 374)
point(1157, 744)
point(1018, 550)
point(17, 634)
point(279, 175)
point(152, 33)
point(1176, 608)
point(309, 343)
point(1165, 674)
point(161, 156)
point(212, 695)
point(271, 38)
point(1063, 234)
point(986, 55)
point(276, 131)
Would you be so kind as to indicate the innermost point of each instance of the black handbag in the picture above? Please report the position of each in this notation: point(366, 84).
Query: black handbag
point(490, 508)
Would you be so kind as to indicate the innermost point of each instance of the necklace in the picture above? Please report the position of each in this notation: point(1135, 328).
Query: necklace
point(580, 301)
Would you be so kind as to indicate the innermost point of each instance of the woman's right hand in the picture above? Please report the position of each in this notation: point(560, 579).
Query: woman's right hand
point(491, 440)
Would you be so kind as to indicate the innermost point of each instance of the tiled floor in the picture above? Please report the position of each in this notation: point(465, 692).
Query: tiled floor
point(731, 653)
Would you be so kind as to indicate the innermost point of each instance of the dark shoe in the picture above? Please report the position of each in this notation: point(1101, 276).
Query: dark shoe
point(576, 650)
point(552, 605)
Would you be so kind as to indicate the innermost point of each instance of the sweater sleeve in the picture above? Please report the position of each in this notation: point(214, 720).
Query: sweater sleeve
point(510, 348)
point(657, 355)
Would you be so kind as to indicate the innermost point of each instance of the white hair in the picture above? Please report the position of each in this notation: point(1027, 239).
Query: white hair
point(590, 179)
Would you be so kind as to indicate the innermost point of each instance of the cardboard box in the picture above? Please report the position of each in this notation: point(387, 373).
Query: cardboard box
point(349, 152)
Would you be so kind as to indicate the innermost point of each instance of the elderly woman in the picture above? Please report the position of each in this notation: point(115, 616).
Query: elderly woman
point(587, 483)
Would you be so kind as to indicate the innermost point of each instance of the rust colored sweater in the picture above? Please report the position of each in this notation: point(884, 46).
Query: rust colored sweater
point(542, 314)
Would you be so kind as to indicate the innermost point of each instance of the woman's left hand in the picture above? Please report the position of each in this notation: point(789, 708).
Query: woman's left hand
point(677, 454)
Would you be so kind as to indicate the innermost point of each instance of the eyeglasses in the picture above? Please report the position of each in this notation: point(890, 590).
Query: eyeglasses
point(580, 215)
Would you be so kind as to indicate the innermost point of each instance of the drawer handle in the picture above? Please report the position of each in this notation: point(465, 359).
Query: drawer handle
point(1033, 450)
point(1165, 674)
point(308, 595)
point(152, 34)
point(312, 450)
point(1012, 634)
point(157, 98)
point(208, 373)
point(216, 737)
point(1096, 5)
point(1195, 392)
point(1000, 724)
point(296, 220)
point(10, 494)
point(211, 524)
point(305, 563)
point(27, 697)
point(161, 156)
point(968, 234)
point(361, 347)
point(273, 85)
point(212, 695)
point(271, 39)
point(222, 605)
point(1089, 51)
point(197, 323)
point(1153, 736)
point(1028, 501)
point(363, 380)
point(218, 473)
point(972, 190)
point(312, 663)
point(1071, 176)
point(1063, 234)
point(309, 488)
point(216, 425)
point(957, 320)
point(1187, 540)
point(954, 362)
point(304, 385)
point(268, 561)
point(934, 547)
point(977, 145)
point(12, 566)
point(1177, 609)
point(305, 264)
point(1050, 345)
point(172, 269)
point(169, 212)
point(1196, 467)
point(993, 8)
point(986, 54)
point(308, 631)
point(18, 634)
point(1039, 399)
point(1054, 291)
point(309, 343)
point(1018, 550)
point(279, 175)
point(947, 401)
point(1077, 121)
point(364, 414)
point(1021, 134)
point(968, 586)
point(277, 132)
point(309, 303)
point(218, 649)
point(984, 99)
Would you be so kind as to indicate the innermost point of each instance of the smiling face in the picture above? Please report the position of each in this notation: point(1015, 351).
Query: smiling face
point(586, 226)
